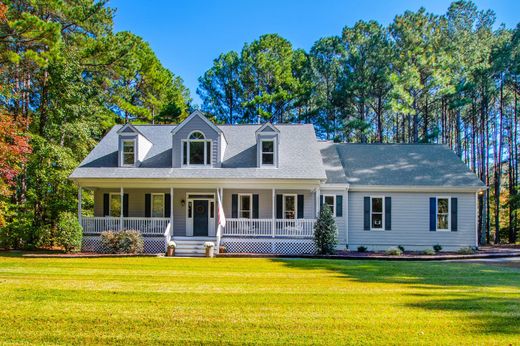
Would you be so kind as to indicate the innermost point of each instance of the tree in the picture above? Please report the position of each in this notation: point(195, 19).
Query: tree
point(325, 232)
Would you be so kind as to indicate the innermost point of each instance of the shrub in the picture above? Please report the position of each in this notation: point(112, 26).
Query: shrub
point(429, 252)
point(69, 232)
point(127, 241)
point(362, 249)
point(437, 247)
point(394, 251)
point(325, 232)
point(400, 247)
point(466, 251)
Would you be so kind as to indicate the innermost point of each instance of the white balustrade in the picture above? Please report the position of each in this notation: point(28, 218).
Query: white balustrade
point(145, 225)
point(295, 228)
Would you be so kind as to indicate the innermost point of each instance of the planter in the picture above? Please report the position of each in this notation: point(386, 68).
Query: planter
point(170, 252)
point(210, 248)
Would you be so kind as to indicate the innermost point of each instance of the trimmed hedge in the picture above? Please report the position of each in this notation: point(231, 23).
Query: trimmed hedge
point(126, 241)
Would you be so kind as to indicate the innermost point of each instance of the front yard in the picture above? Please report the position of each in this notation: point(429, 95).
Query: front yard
point(157, 300)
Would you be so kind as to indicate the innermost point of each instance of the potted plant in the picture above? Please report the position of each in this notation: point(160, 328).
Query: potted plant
point(209, 246)
point(170, 250)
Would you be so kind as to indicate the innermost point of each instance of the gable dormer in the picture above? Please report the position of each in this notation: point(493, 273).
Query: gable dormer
point(197, 143)
point(267, 144)
point(132, 146)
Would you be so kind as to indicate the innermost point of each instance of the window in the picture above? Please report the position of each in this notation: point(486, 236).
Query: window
point(376, 212)
point(115, 205)
point(157, 205)
point(128, 158)
point(267, 152)
point(289, 206)
point(196, 150)
point(245, 202)
point(443, 214)
point(330, 200)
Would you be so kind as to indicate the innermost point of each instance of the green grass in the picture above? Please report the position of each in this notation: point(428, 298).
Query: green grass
point(157, 300)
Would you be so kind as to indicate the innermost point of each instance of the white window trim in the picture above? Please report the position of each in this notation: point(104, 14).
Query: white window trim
point(188, 141)
point(382, 212)
point(110, 202)
point(151, 204)
point(122, 158)
point(295, 205)
point(240, 205)
point(334, 202)
point(262, 164)
point(437, 214)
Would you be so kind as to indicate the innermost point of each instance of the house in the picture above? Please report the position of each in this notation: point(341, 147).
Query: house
point(259, 188)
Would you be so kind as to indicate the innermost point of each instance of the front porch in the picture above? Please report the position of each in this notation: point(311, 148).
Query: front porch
point(256, 220)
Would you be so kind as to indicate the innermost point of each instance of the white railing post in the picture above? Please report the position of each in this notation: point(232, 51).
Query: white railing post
point(171, 211)
point(273, 211)
point(121, 200)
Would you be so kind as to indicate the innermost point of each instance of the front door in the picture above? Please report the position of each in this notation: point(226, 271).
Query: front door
point(200, 218)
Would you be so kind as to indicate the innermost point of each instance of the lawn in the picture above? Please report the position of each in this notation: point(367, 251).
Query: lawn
point(293, 301)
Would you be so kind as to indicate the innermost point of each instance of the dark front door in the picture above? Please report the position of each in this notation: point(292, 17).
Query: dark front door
point(200, 218)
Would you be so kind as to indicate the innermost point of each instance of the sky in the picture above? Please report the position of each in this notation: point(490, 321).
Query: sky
point(187, 35)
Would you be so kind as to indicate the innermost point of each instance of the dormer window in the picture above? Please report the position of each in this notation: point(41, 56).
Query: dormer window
point(196, 150)
point(267, 152)
point(128, 152)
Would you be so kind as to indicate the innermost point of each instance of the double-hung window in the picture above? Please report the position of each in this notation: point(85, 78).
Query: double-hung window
point(330, 200)
point(115, 205)
point(128, 152)
point(196, 150)
point(289, 206)
point(157, 205)
point(267, 152)
point(443, 214)
point(376, 213)
point(245, 206)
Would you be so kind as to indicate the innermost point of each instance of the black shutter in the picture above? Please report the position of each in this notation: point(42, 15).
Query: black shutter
point(454, 214)
point(234, 206)
point(167, 204)
point(388, 213)
point(147, 205)
point(300, 206)
point(279, 206)
point(125, 205)
point(339, 205)
point(366, 213)
point(255, 206)
point(433, 211)
point(106, 204)
point(321, 201)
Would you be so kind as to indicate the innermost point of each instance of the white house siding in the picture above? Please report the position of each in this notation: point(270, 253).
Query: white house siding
point(196, 124)
point(410, 222)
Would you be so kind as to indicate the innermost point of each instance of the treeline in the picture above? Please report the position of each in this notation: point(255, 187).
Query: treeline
point(65, 78)
point(424, 78)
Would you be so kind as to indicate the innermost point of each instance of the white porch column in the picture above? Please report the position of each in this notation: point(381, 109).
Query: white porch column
point(80, 199)
point(317, 203)
point(121, 195)
point(273, 212)
point(171, 211)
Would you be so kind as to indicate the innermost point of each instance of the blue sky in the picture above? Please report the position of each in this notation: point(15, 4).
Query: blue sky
point(187, 35)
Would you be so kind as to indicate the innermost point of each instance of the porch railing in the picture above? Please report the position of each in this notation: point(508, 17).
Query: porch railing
point(146, 225)
point(295, 228)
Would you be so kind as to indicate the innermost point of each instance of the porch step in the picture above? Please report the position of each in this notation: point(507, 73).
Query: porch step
point(191, 246)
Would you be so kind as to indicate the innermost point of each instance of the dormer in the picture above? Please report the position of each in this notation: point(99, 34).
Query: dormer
point(267, 144)
point(133, 146)
point(197, 143)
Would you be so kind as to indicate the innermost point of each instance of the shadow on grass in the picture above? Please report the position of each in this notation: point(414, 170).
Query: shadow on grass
point(489, 295)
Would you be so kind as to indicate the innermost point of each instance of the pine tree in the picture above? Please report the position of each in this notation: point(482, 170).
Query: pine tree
point(325, 232)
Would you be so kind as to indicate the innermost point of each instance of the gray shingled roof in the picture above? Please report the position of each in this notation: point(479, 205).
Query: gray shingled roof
point(299, 156)
point(396, 164)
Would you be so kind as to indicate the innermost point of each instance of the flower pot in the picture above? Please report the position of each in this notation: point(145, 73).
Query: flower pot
point(209, 251)
point(170, 251)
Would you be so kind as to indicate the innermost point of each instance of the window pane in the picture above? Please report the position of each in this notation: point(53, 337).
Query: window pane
point(290, 207)
point(128, 159)
point(267, 146)
point(442, 206)
point(196, 153)
point(208, 153)
point(197, 135)
point(442, 221)
point(115, 205)
point(329, 200)
point(377, 220)
point(245, 214)
point(267, 159)
point(190, 209)
point(245, 202)
point(157, 205)
point(377, 205)
point(128, 153)
point(185, 153)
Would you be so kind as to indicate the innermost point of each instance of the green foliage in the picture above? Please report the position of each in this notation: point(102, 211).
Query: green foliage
point(437, 247)
point(400, 247)
point(362, 248)
point(394, 251)
point(126, 241)
point(429, 252)
point(325, 232)
point(466, 251)
point(69, 232)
